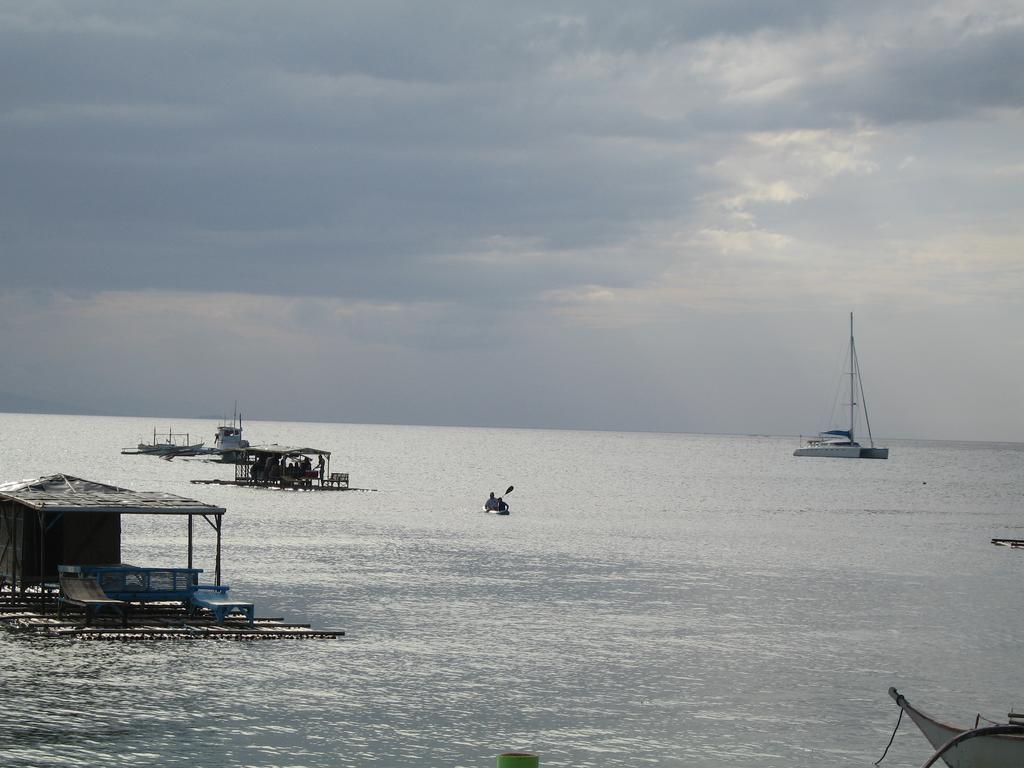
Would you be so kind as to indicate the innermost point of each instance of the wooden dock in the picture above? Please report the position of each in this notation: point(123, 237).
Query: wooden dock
point(282, 485)
point(34, 613)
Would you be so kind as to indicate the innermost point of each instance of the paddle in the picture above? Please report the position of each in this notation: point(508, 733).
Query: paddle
point(510, 489)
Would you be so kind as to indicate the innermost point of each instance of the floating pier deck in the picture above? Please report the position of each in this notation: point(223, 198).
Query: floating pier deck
point(35, 614)
point(285, 468)
point(285, 484)
point(61, 573)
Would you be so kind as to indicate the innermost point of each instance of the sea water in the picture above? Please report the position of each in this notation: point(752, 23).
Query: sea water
point(653, 599)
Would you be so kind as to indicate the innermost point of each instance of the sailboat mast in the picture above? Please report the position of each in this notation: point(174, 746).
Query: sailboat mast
point(853, 389)
point(864, 401)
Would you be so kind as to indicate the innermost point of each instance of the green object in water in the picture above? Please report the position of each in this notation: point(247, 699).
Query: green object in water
point(518, 760)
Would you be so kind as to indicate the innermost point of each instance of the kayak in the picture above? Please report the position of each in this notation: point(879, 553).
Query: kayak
point(501, 506)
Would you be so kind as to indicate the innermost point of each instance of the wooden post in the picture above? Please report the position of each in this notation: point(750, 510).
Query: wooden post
point(42, 548)
point(518, 760)
point(190, 540)
point(220, 520)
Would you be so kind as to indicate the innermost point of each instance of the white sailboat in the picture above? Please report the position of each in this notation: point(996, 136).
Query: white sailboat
point(840, 443)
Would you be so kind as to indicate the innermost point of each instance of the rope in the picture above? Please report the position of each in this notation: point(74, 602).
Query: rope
point(891, 738)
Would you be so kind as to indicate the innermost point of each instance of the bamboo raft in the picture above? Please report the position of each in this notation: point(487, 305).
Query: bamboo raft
point(35, 614)
point(283, 485)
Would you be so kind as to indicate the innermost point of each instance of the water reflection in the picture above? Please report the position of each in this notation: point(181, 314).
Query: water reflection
point(652, 600)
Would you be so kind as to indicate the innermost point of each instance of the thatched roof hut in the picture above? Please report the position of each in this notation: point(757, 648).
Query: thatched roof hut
point(64, 520)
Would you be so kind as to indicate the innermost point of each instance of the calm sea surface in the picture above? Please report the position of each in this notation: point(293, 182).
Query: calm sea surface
point(653, 599)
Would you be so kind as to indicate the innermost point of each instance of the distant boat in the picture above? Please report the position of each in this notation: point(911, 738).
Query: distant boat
point(998, 745)
point(228, 439)
point(497, 505)
point(169, 443)
point(1011, 543)
point(840, 443)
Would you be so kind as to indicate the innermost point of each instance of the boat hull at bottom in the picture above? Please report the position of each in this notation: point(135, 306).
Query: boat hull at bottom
point(874, 453)
point(842, 452)
point(830, 451)
point(982, 752)
point(496, 511)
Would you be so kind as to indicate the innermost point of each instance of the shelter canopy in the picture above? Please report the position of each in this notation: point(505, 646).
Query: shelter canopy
point(65, 493)
point(284, 450)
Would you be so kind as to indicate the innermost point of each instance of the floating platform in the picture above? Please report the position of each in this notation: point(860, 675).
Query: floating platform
point(284, 485)
point(35, 614)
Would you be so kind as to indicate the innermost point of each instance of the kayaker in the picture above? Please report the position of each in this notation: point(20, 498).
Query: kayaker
point(492, 503)
point(502, 506)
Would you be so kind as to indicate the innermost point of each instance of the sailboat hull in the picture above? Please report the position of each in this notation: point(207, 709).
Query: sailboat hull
point(842, 452)
point(831, 451)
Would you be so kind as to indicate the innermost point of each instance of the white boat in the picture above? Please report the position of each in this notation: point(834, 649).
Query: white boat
point(840, 443)
point(998, 745)
point(497, 511)
point(228, 439)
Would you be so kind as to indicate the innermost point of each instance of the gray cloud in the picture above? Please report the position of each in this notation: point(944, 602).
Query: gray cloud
point(947, 74)
point(602, 173)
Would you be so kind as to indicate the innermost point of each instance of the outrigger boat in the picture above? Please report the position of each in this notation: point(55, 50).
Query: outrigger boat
point(999, 745)
point(169, 443)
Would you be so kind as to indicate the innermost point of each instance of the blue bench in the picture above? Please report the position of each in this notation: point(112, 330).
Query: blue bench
point(123, 584)
point(140, 585)
point(214, 598)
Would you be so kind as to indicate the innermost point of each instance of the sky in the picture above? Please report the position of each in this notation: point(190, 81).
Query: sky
point(594, 215)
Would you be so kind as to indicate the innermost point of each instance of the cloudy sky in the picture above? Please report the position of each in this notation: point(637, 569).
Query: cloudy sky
point(650, 215)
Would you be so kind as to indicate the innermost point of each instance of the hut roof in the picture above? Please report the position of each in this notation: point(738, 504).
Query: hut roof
point(64, 493)
point(284, 450)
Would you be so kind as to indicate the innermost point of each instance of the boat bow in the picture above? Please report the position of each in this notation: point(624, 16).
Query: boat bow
point(991, 746)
